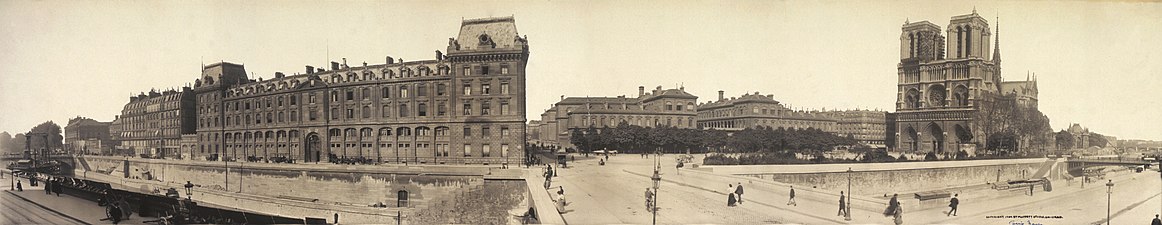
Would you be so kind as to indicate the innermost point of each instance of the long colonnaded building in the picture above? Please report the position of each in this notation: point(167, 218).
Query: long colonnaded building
point(659, 107)
point(465, 107)
point(758, 111)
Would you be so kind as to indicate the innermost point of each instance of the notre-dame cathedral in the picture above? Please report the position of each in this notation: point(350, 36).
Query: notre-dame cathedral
point(948, 83)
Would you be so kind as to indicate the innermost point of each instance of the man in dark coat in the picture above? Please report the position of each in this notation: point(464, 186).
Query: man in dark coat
point(892, 205)
point(56, 187)
point(791, 201)
point(953, 203)
point(738, 191)
point(1156, 220)
point(19, 187)
point(48, 187)
point(842, 209)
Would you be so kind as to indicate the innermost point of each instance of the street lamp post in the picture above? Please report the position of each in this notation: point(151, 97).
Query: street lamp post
point(189, 190)
point(657, 178)
point(1109, 193)
point(847, 212)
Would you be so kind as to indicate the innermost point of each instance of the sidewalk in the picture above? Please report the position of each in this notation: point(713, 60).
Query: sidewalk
point(76, 208)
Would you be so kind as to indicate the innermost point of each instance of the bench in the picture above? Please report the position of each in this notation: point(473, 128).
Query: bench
point(929, 195)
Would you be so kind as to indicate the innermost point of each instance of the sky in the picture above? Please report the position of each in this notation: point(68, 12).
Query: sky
point(1098, 63)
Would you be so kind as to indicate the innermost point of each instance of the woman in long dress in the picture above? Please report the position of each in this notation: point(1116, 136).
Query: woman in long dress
point(898, 218)
point(730, 199)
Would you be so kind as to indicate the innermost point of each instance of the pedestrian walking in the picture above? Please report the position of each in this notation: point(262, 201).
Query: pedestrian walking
point(738, 191)
point(791, 201)
point(19, 187)
point(1156, 220)
point(898, 215)
point(842, 209)
point(730, 197)
point(892, 205)
point(953, 203)
point(47, 187)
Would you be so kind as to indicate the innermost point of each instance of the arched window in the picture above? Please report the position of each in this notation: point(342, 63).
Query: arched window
point(967, 41)
point(386, 111)
point(959, 41)
point(421, 109)
point(366, 112)
point(403, 110)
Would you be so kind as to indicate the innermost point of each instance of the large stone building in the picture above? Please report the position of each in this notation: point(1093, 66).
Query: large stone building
point(944, 99)
point(86, 135)
point(152, 124)
point(467, 106)
point(866, 126)
point(758, 111)
point(668, 107)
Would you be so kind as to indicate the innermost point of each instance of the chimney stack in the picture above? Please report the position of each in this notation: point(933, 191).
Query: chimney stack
point(334, 65)
point(390, 60)
point(321, 70)
point(310, 69)
point(344, 62)
point(279, 75)
point(641, 91)
point(720, 95)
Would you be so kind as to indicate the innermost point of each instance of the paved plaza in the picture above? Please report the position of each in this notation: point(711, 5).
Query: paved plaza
point(614, 194)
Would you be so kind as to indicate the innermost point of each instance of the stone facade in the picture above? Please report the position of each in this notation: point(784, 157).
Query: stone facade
point(463, 107)
point(866, 126)
point(940, 95)
point(152, 124)
point(757, 110)
point(668, 107)
point(87, 135)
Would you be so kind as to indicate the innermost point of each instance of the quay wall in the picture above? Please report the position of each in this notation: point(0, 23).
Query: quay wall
point(878, 179)
point(434, 194)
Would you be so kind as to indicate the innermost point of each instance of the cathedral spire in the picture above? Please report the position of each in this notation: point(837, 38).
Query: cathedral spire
point(997, 44)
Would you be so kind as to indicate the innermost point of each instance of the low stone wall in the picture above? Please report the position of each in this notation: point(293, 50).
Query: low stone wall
point(458, 192)
point(877, 179)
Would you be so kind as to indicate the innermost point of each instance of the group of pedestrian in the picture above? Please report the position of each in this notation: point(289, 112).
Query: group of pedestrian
point(734, 194)
point(53, 186)
point(549, 174)
point(894, 210)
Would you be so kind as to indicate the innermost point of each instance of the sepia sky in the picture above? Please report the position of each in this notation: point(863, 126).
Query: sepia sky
point(1098, 63)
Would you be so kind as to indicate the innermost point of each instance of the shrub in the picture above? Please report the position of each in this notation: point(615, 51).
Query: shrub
point(931, 156)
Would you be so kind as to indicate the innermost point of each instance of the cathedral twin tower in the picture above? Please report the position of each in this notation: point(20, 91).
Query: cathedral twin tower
point(943, 76)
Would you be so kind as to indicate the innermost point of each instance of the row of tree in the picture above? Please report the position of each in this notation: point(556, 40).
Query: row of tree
point(638, 139)
point(15, 144)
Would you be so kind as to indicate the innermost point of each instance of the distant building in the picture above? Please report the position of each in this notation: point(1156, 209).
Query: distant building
point(87, 135)
point(759, 111)
point(1080, 136)
point(866, 126)
point(152, 124)
point(668, 107)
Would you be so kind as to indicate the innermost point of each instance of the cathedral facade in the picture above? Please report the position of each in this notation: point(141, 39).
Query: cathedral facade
point(946, 77)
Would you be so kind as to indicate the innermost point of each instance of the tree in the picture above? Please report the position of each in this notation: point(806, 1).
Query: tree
point(1064, 140)
point(48, 130)
point(17, 143)
point(1096, 139)
point(5, 138)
